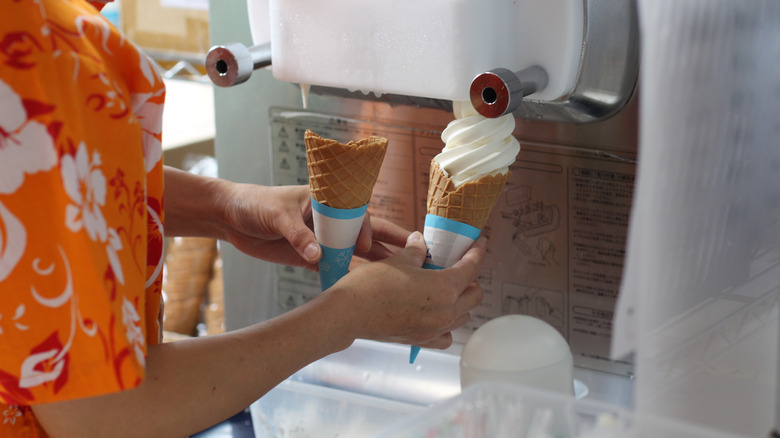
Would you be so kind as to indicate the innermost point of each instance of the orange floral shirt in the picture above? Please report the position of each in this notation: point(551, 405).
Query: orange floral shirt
point(81, 186)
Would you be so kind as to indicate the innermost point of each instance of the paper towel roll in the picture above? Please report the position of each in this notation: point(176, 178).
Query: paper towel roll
point(699, 293)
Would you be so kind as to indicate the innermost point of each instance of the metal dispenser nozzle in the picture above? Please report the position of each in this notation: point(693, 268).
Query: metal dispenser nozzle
point(234, 63)
point(500, 91)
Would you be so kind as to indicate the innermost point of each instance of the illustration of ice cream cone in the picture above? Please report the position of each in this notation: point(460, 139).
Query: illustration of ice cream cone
point(466, 179)
point(341, 179)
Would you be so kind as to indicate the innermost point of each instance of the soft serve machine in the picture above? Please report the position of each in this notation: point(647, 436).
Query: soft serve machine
point(568, 71)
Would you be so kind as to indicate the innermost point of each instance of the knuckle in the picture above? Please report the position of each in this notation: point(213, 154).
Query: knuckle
point(446, 340)
point(479, 293)
point(296, 232)
point(443, 320)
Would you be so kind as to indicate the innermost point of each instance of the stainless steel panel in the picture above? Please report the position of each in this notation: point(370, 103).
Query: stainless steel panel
point(244, 148)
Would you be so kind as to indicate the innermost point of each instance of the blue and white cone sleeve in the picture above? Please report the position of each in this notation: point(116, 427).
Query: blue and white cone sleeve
point(447, 240)
point(337, 230)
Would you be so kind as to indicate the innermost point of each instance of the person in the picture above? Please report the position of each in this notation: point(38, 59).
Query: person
point(85, 201)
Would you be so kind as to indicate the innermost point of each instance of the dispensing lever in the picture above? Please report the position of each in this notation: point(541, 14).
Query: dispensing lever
point(233, 63)
point(500, 91)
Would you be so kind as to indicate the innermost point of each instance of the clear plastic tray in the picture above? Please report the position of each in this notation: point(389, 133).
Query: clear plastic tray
point(355, 393)
point(300, 410)
point(499, 411)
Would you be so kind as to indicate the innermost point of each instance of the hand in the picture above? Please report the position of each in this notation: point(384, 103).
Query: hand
point(379, 239)
point(397, 300)
point(274, 223)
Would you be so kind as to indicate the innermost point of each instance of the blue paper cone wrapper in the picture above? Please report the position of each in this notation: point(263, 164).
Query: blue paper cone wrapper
point(447, 240)
point(337, 230)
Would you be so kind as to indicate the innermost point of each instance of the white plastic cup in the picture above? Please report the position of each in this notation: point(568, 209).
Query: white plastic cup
point(521, 350)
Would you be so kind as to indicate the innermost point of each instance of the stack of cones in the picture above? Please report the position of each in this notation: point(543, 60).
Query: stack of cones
point(341, 179)
point(188, 264)
point(214, 312)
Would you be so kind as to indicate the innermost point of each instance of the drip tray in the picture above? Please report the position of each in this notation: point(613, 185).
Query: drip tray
point(371, 386)
point(357, 392)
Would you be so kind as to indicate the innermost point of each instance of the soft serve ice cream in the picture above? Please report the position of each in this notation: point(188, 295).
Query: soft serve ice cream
point(466, 179)
point(469, 174)
point(475, 146)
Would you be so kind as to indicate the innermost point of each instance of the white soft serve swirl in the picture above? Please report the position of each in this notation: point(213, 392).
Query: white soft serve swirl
point(475, 146)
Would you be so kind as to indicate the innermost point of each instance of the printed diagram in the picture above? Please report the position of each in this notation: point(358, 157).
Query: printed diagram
point(292, 294)
point(540, 303)
point(532, 221)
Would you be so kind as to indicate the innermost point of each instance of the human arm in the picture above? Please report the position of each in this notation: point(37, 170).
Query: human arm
point(192, 384)
point(272, 223)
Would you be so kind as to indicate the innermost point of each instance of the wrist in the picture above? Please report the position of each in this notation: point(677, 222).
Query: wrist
point(227, 209)
point(195, 205)
point(342, 314)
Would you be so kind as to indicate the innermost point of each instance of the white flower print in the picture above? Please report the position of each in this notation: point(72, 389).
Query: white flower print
point(149, 115)
point(159, 264)
point(146, 67)
point(85, 184)
point(133, 331)
point(99, 24)
point(13, 240)
point(31, 374)
point(18, 314)
point(25, 145)
point(11, 414)
point(25, 148)
point(113, 245)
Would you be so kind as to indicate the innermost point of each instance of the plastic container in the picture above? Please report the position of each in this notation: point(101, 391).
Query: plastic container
point(356, 392)
point(298, 409)
point(383, 370)
point(431, 48)
point(503, 411)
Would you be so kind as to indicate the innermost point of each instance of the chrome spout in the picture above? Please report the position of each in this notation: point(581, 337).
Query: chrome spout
point(500, 91)
point(234, 63)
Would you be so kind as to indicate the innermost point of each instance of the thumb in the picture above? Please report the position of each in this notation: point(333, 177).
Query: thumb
point(302, 239)
point(468, 267)
point(415, 250)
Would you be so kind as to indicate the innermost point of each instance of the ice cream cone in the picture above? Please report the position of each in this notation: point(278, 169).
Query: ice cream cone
point(470, 203)
point(341, 179)
point(455, 218)
point(343, 175)
point(477, 154)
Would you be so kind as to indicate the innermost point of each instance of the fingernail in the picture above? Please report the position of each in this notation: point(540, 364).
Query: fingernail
point(311, 252)
point(414, 237)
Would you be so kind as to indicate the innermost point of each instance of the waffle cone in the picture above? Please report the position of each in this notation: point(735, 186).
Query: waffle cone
point(470, 203)
point(343, 175)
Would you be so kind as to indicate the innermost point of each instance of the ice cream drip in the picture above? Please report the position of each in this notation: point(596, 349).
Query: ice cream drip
point(476, 146)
